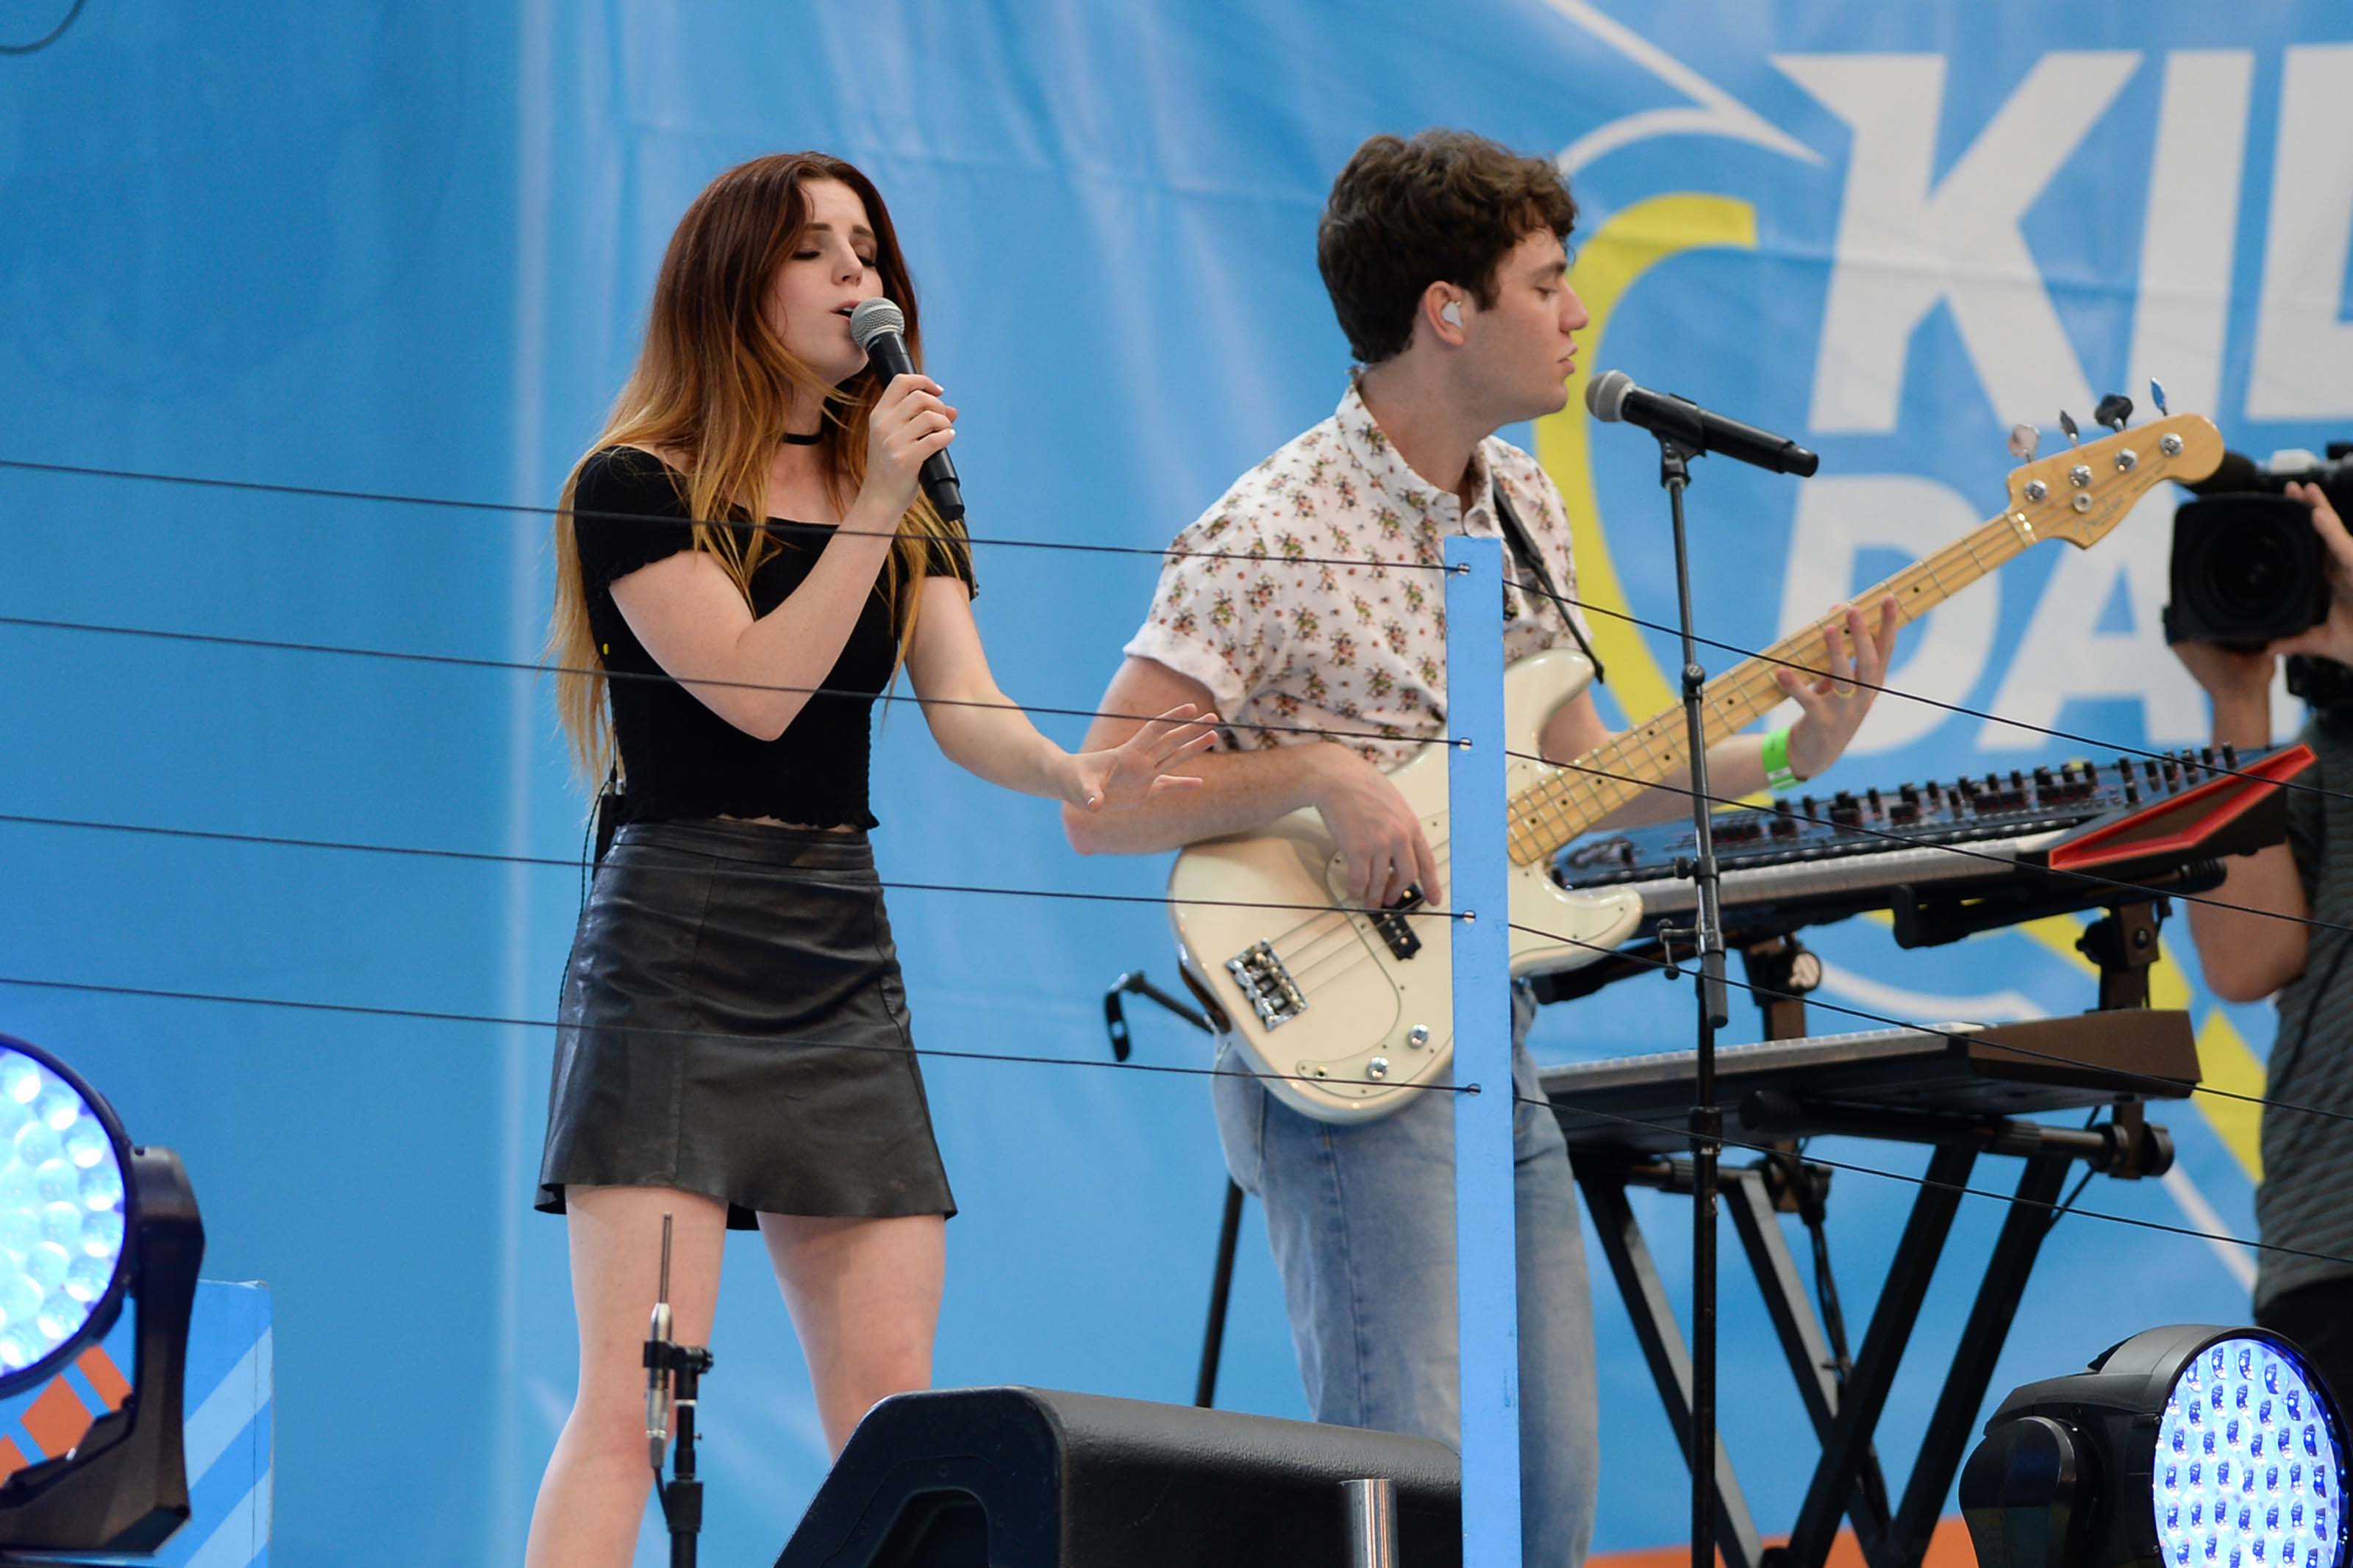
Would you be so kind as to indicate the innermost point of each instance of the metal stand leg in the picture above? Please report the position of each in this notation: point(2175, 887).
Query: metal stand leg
point(1221, 1289)
point(1802, 1341)
point(1951, 1428)
point(1653, 1314)
point(1883, 1348)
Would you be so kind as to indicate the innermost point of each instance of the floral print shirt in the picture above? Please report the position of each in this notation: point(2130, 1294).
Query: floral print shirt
point(1303, 598)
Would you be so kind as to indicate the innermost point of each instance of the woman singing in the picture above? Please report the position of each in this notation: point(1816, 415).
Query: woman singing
point(733, 1043)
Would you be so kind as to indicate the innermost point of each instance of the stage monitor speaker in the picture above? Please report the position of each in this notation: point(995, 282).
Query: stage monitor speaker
point(989, 1477)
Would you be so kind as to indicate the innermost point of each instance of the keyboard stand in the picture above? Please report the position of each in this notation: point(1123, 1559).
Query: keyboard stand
point(1847, 1479)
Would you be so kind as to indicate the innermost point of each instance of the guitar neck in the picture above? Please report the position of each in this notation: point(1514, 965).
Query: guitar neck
point(1569, 800)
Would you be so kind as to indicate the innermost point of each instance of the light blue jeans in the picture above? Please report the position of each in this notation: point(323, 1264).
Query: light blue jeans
point(1362, 1223)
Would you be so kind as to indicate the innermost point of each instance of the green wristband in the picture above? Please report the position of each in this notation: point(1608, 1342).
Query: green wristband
point(1778, 776)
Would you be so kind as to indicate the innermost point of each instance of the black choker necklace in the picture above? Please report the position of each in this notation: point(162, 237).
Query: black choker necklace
point(793, 439)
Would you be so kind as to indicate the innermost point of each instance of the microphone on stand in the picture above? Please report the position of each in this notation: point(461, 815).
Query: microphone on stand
point(879, 328)
point(1612, 396)
point(657, 1347)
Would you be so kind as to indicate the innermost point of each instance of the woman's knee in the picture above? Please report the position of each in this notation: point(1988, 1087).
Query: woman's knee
point(609, 1413)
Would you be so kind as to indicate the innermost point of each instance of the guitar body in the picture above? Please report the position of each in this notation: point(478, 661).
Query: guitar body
point(1348, 1012)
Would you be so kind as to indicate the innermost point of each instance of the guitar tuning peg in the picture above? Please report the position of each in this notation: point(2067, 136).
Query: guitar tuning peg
point(2156, 395)
point(2067, 423)
point(2024, 441)
point(2114, 411)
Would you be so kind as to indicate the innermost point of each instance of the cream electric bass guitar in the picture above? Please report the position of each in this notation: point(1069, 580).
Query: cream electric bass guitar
point(1347, 1010)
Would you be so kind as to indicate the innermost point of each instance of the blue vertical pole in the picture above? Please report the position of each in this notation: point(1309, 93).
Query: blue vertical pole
point(1486, 1260)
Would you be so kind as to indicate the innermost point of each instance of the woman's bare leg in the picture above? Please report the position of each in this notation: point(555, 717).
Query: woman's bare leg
point(593, 1497)
point(865, 1296)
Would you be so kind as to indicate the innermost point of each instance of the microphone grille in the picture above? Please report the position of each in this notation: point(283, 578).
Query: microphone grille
point(871, 318)
point(1605, 394)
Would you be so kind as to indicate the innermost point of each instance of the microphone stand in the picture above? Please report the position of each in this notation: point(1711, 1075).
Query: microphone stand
point(1706, 1123)
point(683, 1366)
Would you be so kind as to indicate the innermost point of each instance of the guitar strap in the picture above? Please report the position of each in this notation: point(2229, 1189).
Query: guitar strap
point(1516, 541)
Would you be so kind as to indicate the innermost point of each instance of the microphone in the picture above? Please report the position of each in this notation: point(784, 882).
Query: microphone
point(1612, 396)
point(658, 1346)
point(879, 328)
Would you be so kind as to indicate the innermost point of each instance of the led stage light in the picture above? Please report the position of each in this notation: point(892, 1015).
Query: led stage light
point(89, 1222)
point(2190, 1446)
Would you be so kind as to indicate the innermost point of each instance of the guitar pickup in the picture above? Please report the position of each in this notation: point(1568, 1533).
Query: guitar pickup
point(1394, 929)
point(1266, 984)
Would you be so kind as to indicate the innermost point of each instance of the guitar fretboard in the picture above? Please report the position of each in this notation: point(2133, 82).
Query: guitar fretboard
point(1567, 803)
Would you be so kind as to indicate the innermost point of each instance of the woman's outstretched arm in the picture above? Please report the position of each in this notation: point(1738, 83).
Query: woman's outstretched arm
point(980, 730)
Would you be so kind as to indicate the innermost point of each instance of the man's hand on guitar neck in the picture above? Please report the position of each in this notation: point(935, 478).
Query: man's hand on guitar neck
point(1856, 660)
point(1855, 656)
point(1370, 822)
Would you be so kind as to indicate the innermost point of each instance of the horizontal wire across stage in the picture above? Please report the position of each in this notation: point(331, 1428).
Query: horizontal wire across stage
point(1632, 782)
point(425, 1016)
point(1257, 558)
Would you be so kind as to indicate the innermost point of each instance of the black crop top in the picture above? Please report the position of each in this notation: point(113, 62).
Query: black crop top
point(680, 759)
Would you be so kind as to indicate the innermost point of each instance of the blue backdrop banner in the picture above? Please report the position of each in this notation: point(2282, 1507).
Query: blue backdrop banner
point(408, 250)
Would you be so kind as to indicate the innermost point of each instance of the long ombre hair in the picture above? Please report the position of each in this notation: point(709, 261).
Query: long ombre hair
point(712, 387)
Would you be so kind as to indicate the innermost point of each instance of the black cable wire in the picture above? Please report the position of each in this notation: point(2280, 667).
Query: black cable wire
point(331, 493)
point(1556, 1107)
point(421, 1015)
point(2081, 1182)
point(51, 37)
point(273, 644)
point(493, 858)
point(466, 661)
point(2092, 741)
point(526, 509)
point(2311, 922)
point(758, 874)
point(1675, 968)
point(214, 638)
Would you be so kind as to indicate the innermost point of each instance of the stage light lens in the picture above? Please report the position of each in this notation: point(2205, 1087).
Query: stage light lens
point(60, 1210)
point(2246, 1402)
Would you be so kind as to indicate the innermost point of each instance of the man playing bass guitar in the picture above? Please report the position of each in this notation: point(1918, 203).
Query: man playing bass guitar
point(1301, 608)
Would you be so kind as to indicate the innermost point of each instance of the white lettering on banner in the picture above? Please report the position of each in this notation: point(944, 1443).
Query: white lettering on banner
point(2063, 658)
point(2304, 348)
point(1945, 654)
point(1906, 245)
point(2182, 316)
point(1713, 112)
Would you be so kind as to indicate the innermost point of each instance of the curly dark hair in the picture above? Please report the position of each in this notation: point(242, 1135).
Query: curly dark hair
point(1445, 206)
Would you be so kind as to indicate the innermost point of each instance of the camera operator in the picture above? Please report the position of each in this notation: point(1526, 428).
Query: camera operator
point(2306, 1199)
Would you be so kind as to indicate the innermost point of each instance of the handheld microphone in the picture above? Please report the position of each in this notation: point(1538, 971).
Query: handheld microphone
point(658, 1346)
point(1612, 396)
point(879, 328)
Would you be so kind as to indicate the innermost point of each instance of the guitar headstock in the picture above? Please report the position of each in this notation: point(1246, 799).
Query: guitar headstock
point(2082, 492)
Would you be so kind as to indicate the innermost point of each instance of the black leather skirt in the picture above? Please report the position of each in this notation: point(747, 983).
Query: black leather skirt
point(733, 1025)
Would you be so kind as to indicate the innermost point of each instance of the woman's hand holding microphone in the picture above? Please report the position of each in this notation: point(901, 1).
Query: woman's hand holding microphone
point(909, 423)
